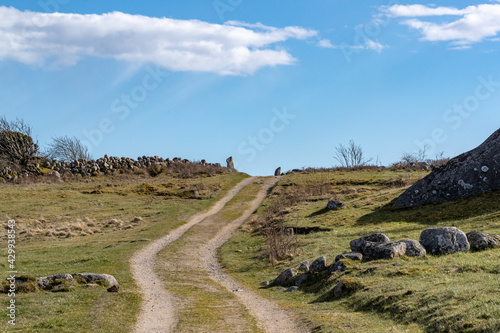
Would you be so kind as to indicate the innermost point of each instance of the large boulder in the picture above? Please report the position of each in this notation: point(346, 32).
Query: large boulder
point(277, 172)
point(413, 248)
point(471, 173)
point(480, 241)
point(358, 245)
point(444, 240)
point(374, 251)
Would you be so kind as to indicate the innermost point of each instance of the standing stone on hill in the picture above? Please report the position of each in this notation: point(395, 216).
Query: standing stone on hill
point(413, 248)
point(480, 241)
point(444, 240)
point(472, 173)
point(230, 164)
point(374, 251)
point(358, 245)
point(277, 172)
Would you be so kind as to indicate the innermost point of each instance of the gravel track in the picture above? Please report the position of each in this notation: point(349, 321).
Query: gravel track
point(158, 306)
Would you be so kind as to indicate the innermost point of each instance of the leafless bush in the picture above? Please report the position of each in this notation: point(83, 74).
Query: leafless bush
point(281, 243)
point(16, 144)
point(350, 156)
point(68, 149)
point(419, 161)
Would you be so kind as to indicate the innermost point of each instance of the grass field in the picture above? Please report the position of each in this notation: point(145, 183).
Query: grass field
point(94, 225)
point(452, 293)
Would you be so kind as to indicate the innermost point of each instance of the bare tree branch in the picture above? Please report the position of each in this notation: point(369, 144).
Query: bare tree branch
point(350, 156)
point(68, 149)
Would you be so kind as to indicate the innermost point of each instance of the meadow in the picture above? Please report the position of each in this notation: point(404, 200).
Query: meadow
point(94, 225)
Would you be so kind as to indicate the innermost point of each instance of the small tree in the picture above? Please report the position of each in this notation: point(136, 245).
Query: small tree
point(350, 156)
point(68, 149)
point(16, 144)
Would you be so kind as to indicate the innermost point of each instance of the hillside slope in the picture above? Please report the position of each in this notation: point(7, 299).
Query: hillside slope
point(451, 293)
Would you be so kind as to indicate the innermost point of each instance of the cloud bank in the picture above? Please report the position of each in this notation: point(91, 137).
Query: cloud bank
point(234, 48)
point(471, 25)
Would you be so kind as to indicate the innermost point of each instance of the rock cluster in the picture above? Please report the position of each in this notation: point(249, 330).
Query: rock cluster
point(436, 241)
point(471, 173)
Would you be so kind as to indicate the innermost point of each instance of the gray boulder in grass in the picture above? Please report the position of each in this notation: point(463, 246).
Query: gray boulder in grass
point(44, 282)
point(350, 256)
point(285, 278)
point(318, 265)
point(92, 277)
point(374, 251)
point(444, 240)
point(480, 241)
point(358, 245)
point(304, 266)
point(334, 205)
point(414, 248)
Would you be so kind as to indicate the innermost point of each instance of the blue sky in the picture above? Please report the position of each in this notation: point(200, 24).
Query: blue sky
point(272, 83)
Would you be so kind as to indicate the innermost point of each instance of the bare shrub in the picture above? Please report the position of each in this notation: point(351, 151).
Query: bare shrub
point(351, 156)
point(16, 144)
point(68, 149)
point(281, 243)
point(419, 161)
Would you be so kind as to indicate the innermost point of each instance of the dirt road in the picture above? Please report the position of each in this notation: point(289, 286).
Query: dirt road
point(207, 232)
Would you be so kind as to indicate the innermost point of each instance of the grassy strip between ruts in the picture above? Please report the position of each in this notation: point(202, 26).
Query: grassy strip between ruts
point(452, 293)
point(94, 226)
point(202, 304)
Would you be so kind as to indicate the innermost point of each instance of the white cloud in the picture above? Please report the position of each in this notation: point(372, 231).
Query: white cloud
point(421, 10)
point(375, 46)
point(473, 24)
point(369, 45)
point(234, 48)
point(327, 44)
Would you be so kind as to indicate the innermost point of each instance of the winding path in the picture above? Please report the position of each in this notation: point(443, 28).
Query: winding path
point(158, 307)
